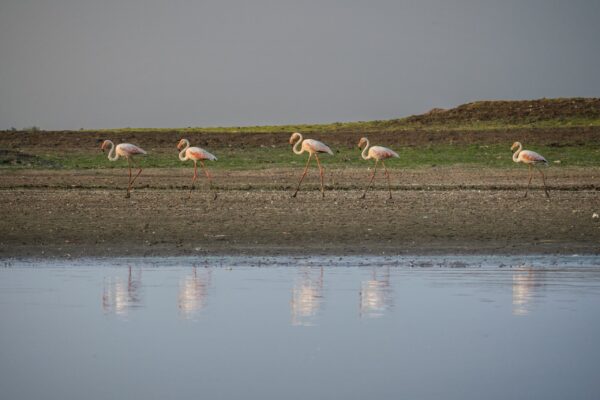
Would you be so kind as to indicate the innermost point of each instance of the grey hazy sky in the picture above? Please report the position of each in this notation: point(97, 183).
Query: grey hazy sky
point(70, 64)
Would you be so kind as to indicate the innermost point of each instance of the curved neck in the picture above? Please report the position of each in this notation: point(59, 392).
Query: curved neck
point(112, 154)
point(364, 152)
point(182, 155)
point(297, 145)
point(516, 154)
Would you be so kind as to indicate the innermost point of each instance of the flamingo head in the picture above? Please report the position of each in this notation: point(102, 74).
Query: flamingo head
point(515, 145)
point(362, 142)
point(295, 137)
point(105, 144)
point(181, 144)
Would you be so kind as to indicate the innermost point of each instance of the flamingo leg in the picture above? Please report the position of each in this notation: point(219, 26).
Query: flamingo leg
point(303, 175)
point(388, 179)
point(543, 180)
point(530, 177)
point(139, 172)
point(209, 178)
point(320, 173)
point(127, 195)
point(194, 178)
point(371, 181)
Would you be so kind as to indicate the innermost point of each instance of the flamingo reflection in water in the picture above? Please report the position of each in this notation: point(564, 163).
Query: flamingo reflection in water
point(525, 284)
point(307, 296)
point(119, 295)
point(376, 294)
point(193, 292)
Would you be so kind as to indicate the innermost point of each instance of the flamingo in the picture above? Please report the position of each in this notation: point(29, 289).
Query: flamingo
point(312, 147)
point(196, 154)
point(379, 153)
point(531, 158)
point(126, 150)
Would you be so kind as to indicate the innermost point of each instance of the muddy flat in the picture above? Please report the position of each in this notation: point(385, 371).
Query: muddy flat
point(433, 211)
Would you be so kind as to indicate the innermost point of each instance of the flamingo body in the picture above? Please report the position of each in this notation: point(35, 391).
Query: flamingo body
point(381, 153)
point(197, 153)
point(531, 158)
point(128, 150)
point(314, 146)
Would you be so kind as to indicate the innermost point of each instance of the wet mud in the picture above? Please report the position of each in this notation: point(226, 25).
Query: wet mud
point(448, 210)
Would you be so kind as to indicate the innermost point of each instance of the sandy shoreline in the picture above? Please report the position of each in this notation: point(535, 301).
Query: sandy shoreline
point(52, 219)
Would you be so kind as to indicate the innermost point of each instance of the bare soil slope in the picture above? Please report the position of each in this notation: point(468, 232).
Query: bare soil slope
point(513, 111)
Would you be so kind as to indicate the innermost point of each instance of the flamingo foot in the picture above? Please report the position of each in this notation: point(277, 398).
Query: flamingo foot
point(127, 195)
point(215, 196)
point(294, 195)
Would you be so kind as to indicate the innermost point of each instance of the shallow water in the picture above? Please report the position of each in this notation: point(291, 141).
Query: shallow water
point(301, 327)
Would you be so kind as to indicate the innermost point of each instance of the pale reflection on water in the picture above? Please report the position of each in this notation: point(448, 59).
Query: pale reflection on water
point(193, 292)
point(307, 295)
point(123, 291)
point(119, 293)
point(525, 285)
point(376, 295)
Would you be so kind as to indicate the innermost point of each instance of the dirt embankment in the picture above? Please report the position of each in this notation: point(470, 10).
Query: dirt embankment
point(513, 111)
point(163, 142)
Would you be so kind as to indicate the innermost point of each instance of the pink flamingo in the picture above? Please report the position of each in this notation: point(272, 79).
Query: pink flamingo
point(379, 153)
point(196, 154)
point(531, 158)
point(126, 150)
point(312, 147)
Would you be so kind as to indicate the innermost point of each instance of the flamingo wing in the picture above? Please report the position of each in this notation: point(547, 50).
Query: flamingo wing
point(317, 146)
point(380, 152)
point(130, 149)
point(531, 157)
point(197, 153)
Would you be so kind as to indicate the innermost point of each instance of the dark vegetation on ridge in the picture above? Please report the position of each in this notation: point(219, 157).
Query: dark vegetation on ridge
point(478, 115)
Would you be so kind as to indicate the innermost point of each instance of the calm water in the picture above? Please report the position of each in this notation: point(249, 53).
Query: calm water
point(301, 328)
